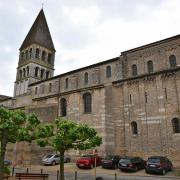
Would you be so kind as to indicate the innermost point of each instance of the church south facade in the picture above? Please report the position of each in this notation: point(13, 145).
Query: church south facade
point(133, 100)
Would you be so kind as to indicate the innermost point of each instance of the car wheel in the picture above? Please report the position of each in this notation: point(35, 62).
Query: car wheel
point(53, 163)
point(163, 172)
point(147, 172)
point(135, 168)
point(170, 169)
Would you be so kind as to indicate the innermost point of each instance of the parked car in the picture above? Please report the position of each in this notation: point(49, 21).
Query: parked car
point(131, 164)
point(88, 161)
point(7, 162)
point(110, 161)
point(53, 159)
point(158, 164)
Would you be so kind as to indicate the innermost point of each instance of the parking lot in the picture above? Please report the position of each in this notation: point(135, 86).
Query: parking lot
point(88, 174)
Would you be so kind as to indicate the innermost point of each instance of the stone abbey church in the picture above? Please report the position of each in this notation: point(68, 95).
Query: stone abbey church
point(133, 100)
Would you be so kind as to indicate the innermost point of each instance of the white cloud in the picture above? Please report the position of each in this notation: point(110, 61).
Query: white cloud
point(81, 16)
point(84, 32)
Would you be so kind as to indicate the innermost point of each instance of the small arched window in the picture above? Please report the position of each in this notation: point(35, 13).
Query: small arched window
point(87, 102)
point(150, 66)
point(172, 61)
point(63, 103)
point(37, 53)
point(30, 53)
point(108, 71)
point(66, 83)
point(50, 87)
point(22, 56)
point(26, 54)
point(36, 90)
point(134, 127)
point(86, 78)
point(36, 71)
point(176, 125)
point(42, 73)
point(134, 70)
point(49, 58)
point(20, 74)
point(43, 55)
point(47, 74)
point(24, 72)
point(27, 70)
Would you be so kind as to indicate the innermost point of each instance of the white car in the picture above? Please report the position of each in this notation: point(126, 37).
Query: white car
point(53, 159)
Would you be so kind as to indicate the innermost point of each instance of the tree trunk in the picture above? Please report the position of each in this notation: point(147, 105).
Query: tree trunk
point(61, 165)
point(3, 144)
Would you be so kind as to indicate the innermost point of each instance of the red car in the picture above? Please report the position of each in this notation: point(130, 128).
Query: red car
point(88, 161)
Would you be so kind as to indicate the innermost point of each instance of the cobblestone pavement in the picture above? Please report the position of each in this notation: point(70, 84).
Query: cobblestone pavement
point(89, 174)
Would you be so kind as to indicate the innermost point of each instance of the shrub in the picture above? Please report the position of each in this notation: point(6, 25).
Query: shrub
point(6, 170)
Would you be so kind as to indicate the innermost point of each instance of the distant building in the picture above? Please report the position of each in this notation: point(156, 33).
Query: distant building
point(133, 101)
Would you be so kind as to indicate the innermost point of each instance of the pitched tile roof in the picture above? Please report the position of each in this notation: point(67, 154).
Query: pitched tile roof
point(39, 33)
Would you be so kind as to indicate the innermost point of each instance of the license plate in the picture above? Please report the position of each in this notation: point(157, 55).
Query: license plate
point(81, 165)
point(152, 165)
point(124, 165)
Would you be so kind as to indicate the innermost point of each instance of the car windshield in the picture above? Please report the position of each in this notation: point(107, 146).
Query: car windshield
point(154, 160)
point(48, 156)
point(125, 161)
point(108, 157)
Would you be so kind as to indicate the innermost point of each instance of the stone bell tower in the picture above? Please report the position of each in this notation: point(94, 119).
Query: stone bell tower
point(36, 56)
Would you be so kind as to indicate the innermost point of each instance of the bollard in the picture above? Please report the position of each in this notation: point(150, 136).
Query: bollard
point(115, 176)
point(57, 174)
point(13, 171)
point(27, 170)
point(75, 175)
point(41, 171)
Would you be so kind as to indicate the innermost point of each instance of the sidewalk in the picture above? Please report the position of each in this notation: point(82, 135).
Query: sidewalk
point(71, 168)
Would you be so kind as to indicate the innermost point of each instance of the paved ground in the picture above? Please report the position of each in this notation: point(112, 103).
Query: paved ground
point(89, 174)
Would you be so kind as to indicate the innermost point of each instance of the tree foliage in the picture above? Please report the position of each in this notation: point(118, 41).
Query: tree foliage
point(63, 135)
point(15, 126)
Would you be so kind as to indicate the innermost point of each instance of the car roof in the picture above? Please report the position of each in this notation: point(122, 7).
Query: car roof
point(156, 157)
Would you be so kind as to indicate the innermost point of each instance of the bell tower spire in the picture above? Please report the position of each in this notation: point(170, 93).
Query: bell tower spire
point(36, 57)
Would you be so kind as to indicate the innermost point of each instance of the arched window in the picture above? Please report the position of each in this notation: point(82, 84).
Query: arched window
point(42, 88)
point(24, 72)
point(36, 90)
point(134, 70)
point(22, 56)
point(50, 87)
point(43, 55)
point(47, 74)
point(150, 67)
point(87, 102)
point(63, 107)
point(86, 78)
point(37, 53)
point(36, 71)
point(27, 70)
point(176, 125)
point(49, 58)
point(30, 53)
point(26, 54)
point(66, 83)
point(172, 61)
point(42, 73)
point(20, 74)
point(108, 71)
point(134, 127)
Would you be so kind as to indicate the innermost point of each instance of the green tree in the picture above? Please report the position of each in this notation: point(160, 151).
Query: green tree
point(66, 134)
point(15, 126)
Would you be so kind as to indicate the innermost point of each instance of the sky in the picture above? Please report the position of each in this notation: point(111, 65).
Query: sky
point(84, 32)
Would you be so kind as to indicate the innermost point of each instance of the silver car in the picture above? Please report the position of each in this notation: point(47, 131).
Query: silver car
point(53, 159)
